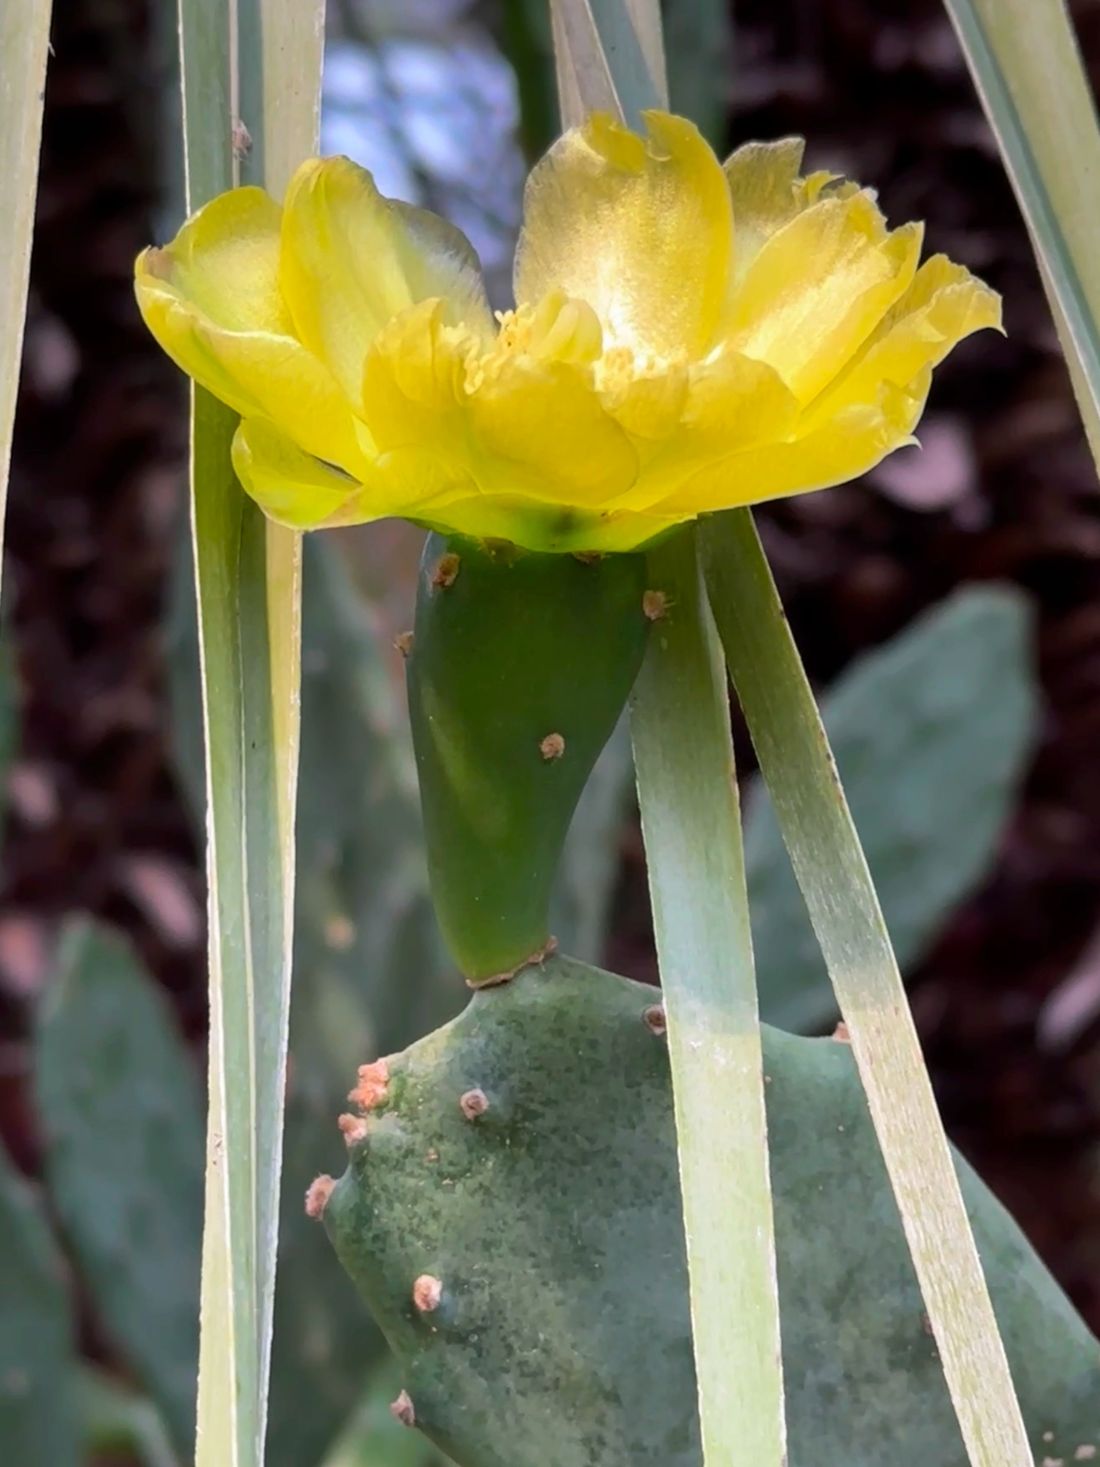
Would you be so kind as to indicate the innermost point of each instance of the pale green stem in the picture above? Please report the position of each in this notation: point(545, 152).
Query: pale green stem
point(828, 860)
point(259, 58)
point(687, 789)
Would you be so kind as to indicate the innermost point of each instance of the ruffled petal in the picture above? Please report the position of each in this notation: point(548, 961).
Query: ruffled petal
point(414, 380)
point(818, 288)
point(763, 181)
point(513, 423)
point(944, 304)
point(538, 428)
point(736, 401)
point(261, 376)
point(730, 403)
point(455, 504)
point(211, 298)
point(352, 260)
point(649, 405)
point(300, 491)
point(290, 486)
point(840, 449)
point(640, 228)
point(224, 263)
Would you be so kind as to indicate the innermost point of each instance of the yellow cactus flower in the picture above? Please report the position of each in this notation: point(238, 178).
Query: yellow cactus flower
point(686, 337)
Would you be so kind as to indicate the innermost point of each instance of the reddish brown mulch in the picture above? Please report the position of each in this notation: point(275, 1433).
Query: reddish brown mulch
point(97, 822)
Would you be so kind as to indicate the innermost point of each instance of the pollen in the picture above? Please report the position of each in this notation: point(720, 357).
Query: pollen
point(615, 372)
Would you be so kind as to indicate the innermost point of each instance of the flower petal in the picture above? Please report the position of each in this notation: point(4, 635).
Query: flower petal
point(352, 260)
point(299, 491)
point(640, 228)
point(648, 405)
point(455, 504)
point(259, 375)
point(512, 423)
point(944, 304)
point(840, 449)
point(211, 298)
point(818, 288)
point(413, 380)
point(763, 181)
point(290, 486)
point(538, 428)
point(732, 403)
point(736, 401)
point(225, 263)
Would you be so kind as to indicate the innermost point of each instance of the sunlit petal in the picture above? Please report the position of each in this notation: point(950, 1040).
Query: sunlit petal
point(538, 428)
point(944, 304)
point(290, 486)
point(212, 300)
point(352, 260)
point(763, 181)
point(818, 288)
point(840, 449)
point(258, 375)
point(640, 228)
point(224, 262)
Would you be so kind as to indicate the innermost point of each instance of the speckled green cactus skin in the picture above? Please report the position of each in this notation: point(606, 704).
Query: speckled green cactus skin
point(552, 1224)
point(519, 668)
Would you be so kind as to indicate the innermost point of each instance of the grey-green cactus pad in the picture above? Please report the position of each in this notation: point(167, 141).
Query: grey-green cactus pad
point(552, 1223)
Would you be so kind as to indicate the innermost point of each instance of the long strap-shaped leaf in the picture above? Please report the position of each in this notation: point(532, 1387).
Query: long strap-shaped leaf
point(813, 815)
point(24, 37)
point(1025, 62)
point(687, 789)
point(610, 55)
point(255, 62)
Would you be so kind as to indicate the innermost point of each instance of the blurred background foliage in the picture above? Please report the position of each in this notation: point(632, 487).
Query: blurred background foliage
point(949, 606)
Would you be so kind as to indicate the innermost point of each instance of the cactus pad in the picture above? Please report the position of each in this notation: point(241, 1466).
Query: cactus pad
point(524, 1254)
point(519, 667)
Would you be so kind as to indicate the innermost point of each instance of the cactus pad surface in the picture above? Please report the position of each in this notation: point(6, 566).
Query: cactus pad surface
point(518, 670)
point(525, 1256)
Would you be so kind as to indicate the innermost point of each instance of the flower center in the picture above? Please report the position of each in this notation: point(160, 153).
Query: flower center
point(557, 329)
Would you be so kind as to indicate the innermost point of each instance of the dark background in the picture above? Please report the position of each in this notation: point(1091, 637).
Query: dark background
point(1005, 490)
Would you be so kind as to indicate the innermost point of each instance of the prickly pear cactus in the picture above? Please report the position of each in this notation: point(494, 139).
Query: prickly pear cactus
point(511, 1215)
point(519, 667)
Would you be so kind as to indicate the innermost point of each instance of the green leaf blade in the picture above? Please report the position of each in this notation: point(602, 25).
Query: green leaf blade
point(828, 860)
point(24, 40)
point(38, 1375)
point(687, 789)
point(931, 735)
point(1025, 61)
point(369, 976)
point(260, 58)
point(121, 1107)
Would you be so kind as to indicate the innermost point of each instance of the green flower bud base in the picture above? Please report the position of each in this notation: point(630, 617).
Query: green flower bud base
point(511, 1214)
point(519, 668)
